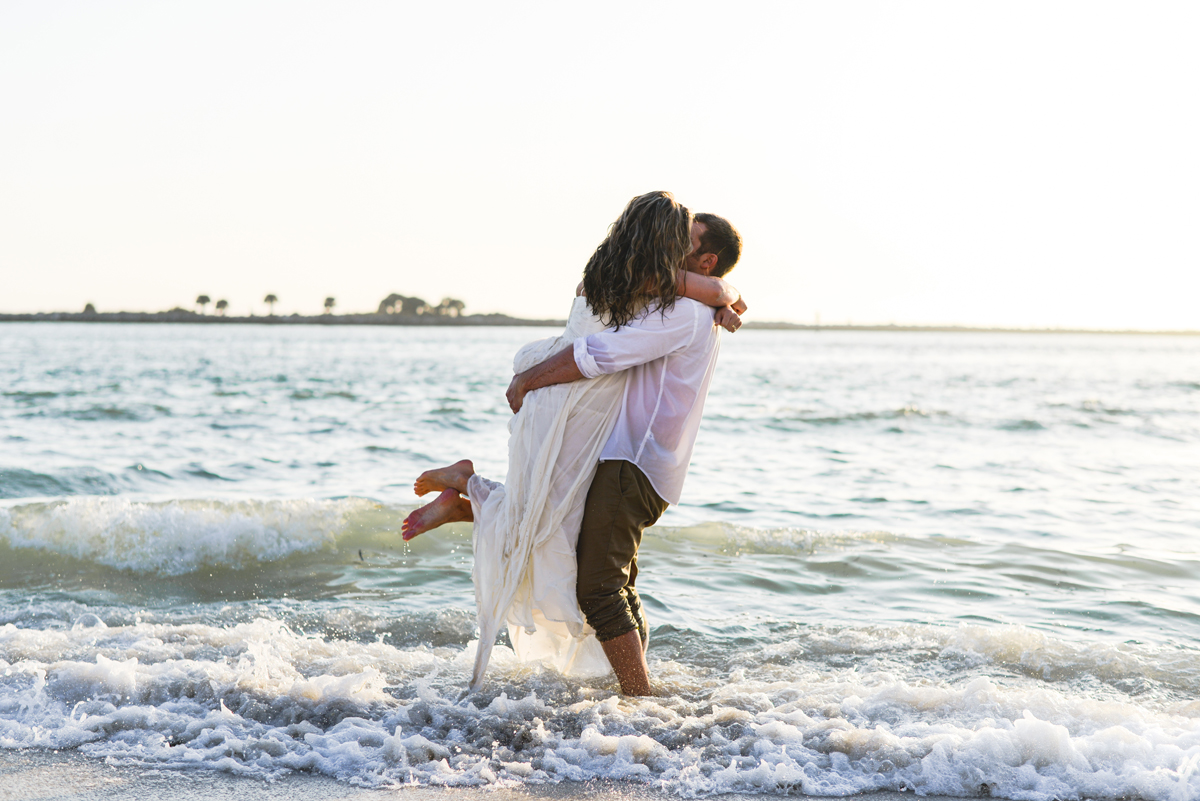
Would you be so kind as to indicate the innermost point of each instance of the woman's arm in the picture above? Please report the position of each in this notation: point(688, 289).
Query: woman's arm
point(715, 292)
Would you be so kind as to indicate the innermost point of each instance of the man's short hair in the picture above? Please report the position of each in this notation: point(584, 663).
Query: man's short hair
point(721, 239)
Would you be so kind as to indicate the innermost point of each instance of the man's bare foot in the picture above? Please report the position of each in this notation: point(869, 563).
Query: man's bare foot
point(453, 477)
point(448, 507)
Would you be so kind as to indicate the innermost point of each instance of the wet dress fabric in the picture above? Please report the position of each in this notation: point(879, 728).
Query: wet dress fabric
point(526, 529)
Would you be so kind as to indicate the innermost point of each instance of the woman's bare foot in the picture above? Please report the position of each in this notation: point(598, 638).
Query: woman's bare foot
point(448, 507)
point(454, 477)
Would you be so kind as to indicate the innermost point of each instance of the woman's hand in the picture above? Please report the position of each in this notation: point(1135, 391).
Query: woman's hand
point(738, 305)
point(728, 319)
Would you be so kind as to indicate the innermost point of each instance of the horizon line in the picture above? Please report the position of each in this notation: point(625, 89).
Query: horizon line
point(181, 315)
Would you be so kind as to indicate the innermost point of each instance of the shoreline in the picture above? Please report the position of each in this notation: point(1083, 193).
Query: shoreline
point(503, 320)
point(71, 776)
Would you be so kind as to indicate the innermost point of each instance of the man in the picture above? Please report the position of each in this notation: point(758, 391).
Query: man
point(670, 355)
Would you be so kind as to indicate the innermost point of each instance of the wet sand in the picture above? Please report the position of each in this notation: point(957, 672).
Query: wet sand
point(69, 776)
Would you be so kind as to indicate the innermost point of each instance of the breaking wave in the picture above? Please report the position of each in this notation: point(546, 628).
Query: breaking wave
point(176, 537)
point(182, 536)
point(260, 699)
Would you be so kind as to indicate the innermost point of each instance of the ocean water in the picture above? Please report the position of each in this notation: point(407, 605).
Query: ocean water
point(950, 564)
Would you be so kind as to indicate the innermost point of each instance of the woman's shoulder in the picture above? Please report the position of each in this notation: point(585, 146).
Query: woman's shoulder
point(582, 321)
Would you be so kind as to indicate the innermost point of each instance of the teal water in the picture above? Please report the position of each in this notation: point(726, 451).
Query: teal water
point(958, 564)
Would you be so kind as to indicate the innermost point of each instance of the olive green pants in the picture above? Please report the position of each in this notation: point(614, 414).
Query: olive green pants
point(620, 504)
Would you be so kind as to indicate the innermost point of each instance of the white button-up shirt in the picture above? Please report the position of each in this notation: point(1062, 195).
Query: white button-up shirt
point(670, 359)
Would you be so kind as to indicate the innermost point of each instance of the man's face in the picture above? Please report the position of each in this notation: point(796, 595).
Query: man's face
point(693, 262)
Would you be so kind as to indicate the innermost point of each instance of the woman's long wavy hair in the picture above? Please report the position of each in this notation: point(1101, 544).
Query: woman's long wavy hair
point(638, 262)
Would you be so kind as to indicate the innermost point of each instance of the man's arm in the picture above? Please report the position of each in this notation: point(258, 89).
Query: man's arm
point(558, 369)
point(644, 339)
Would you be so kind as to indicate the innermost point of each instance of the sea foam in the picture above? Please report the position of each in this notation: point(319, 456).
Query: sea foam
point(261, 699)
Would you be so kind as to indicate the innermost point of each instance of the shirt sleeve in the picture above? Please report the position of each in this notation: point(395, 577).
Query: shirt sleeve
point(644, 339)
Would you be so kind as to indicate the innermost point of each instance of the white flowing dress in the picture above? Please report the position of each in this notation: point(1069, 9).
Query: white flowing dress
point(526, 531)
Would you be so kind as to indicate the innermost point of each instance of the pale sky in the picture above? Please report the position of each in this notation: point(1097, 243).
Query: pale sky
point(1016, 164)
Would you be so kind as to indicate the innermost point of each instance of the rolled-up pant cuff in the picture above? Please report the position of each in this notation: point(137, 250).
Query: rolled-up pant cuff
point(617, 615)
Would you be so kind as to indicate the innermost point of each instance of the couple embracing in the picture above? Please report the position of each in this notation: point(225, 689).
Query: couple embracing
point(606, 416)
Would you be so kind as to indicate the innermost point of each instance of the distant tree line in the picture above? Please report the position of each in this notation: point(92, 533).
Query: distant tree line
point(392, 304)
point(400, 304)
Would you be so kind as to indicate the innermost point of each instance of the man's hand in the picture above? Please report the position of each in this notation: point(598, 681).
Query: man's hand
point(516, 393)
point(558, 369)
point(728, 319)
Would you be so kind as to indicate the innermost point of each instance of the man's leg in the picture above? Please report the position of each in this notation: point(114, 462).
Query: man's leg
point(628, 661)
point(620, 504)
point(636, 679)
point(636, 609)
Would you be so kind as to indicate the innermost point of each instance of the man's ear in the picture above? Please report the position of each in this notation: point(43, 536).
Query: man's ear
point(708, 262)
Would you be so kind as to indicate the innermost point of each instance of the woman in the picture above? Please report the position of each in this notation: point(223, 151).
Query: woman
point(525, 532)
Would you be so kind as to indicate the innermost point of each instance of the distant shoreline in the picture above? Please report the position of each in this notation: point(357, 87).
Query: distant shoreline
point(185, 316)
point(475, 320)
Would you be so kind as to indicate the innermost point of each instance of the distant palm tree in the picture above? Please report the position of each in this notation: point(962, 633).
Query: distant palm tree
point(222, 305)
point(203, 301)
point(271, 300)
point(329, 304)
